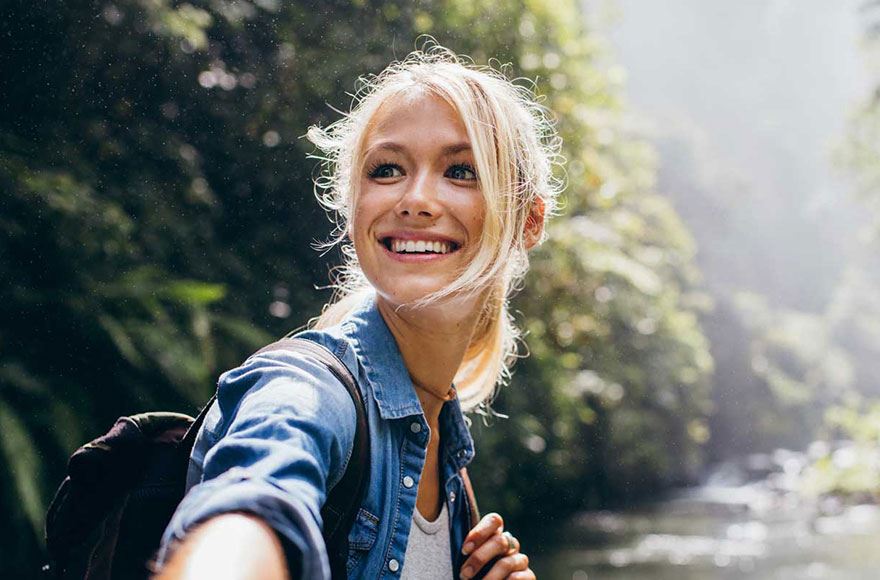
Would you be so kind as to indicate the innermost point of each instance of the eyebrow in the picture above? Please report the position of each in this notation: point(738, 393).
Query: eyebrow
point(398, 148)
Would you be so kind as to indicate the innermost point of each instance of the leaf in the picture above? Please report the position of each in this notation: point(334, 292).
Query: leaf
point(121, 339)
point(12, 373)
point(193, 292)
point(21, 455)
point(242, 330)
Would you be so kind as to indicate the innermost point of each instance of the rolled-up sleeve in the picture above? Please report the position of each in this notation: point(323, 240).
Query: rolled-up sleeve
point(284, 438)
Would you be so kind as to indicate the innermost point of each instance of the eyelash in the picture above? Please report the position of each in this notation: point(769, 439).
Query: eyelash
point(466, 166)
point(373, 170)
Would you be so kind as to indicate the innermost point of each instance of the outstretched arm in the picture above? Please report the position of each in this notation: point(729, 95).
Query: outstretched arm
point(228, 547)
point(286, 430)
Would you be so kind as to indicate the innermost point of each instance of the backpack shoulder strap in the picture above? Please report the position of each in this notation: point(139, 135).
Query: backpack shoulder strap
point(189, 439)
point(473, 509)
point(344, 499)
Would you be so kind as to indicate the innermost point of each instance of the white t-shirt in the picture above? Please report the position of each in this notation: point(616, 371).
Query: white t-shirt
point(428, 554)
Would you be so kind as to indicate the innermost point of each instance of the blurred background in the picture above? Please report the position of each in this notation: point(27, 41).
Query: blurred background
point(704, 322)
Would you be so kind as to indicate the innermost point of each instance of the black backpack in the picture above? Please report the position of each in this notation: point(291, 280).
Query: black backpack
point(107, 518)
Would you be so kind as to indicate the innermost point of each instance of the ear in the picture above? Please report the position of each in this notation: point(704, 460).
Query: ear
point(534, 227)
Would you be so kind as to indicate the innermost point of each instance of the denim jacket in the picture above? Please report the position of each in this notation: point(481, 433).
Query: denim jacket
point(280, 436)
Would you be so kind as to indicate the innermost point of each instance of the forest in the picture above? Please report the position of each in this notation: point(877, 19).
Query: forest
point(158, 224)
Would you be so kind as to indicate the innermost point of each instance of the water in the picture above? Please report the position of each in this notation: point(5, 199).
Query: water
point(723, 530)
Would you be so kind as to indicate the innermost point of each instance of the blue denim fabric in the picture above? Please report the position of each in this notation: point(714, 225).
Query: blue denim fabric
point(280, 435)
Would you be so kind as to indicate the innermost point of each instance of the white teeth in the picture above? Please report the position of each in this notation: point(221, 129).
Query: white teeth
point(420, 247)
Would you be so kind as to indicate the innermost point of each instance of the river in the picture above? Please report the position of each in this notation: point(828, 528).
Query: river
point(725, 529)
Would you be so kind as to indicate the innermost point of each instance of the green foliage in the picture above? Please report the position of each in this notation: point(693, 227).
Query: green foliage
point(801, 360)
point(20, 454)
point(858, 152)
point(849, 347)
point(852, 469)
point(795, 365)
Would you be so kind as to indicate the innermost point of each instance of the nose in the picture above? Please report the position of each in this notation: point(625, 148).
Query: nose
point(419, 199)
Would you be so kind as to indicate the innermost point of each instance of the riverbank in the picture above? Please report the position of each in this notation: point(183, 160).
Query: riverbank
point(734, 526)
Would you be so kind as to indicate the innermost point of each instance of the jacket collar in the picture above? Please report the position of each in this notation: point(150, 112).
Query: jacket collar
point(391, 384)
point(383, 364)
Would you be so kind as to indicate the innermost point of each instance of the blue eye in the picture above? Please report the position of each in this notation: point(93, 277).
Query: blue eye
point(462, 172)
point(385, 171)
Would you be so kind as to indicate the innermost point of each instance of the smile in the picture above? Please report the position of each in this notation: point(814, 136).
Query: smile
point(409, 246)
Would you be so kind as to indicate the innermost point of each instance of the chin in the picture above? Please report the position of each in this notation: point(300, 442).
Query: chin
point(407, 295)
point(454, 306)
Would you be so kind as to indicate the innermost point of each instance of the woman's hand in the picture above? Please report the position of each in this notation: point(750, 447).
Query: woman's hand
point(488, 543)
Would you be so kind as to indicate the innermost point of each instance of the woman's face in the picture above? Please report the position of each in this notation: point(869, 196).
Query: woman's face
point(419, 214)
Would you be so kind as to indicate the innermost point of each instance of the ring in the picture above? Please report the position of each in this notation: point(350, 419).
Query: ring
point(512, 543)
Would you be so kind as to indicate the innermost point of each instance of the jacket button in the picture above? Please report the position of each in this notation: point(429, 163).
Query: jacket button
point(415, 427)
point(393, 565)
point(408, 482)
point(451, 496)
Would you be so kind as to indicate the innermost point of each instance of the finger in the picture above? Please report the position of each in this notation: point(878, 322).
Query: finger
point(506, 566)
point(524, 575)
point(496, 545)
point(512, 542)
point(490, 525)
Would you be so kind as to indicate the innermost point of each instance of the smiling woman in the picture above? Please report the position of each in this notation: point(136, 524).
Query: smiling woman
point(441, 180)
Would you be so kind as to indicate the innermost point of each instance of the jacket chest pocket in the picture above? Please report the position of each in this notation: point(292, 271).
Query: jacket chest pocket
point(361, 538)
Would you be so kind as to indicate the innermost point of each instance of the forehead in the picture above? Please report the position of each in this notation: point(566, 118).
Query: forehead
point(418, 118)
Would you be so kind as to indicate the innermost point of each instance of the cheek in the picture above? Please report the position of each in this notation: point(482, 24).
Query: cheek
point(473, 218)
point(477, 221)
point(477, 217)
point(363, 213)
point(359, 230)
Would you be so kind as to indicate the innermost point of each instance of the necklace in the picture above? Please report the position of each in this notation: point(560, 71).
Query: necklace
point(452, 393)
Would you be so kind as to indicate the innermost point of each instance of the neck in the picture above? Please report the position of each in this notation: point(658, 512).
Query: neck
point(433, 342)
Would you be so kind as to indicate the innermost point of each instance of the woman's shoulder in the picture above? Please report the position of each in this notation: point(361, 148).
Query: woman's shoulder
point(280, 377)
point(278, 390)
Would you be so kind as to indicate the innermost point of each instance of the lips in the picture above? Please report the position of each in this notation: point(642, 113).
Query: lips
point(416, 247)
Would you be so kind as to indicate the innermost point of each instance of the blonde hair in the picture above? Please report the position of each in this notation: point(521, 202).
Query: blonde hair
point(515, 147)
